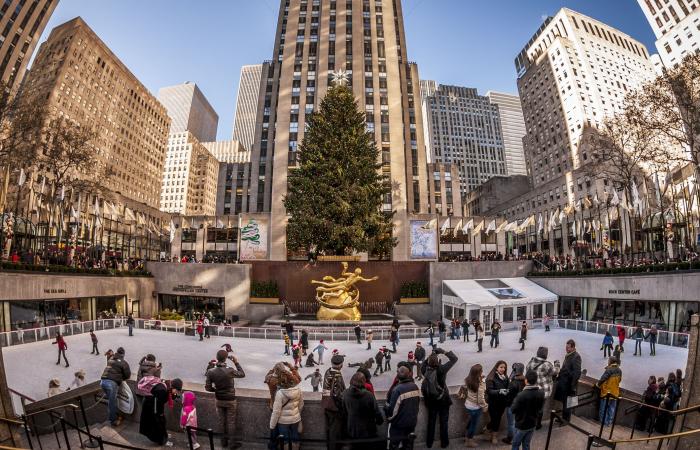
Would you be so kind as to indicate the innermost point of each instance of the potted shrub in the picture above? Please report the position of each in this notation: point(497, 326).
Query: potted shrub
point(264, 292)
point(414, 292)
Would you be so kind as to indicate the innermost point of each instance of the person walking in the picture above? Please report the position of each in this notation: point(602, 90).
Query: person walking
point(152, 423)
point(116, 372)
point(379, 359)
point(401, 410)
point(332, 402)
point(320, 348)
point(436, 394)
point(368, 337)
point(523, 335)
point(473, 392)
point(221, 381)
point(93, 338)
point(358, 333)
point(607, 345)
point(465, 329)
point(567, 379)
point(285, 420)
point(304, 342)
point(362, 413)
point(621, 335)
point(527, 408)
point(497, 385)
point(62, 347)
point(442, 330)
point(652, 335)
point(479, 330)
point(206, 324)
point(515, 385)
point(419, 355)
point(609, 385)
point(546, 371)
point(316, 379)
point(130, 323)
point(545, 322)
point(431, 333)
point(495, 330)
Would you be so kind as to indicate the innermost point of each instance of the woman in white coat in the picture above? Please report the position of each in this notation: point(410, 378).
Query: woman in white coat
point(286, 412)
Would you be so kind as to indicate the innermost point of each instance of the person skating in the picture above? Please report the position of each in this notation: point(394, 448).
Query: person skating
point(442, 330)
point(332, 402)
point(220, 380)
point(436, 394)
point(206, 324)
point(621, 335)
point(62, 347)
point(523, 335)
point(527, 408)
point(568, 377)
point(387, 359)
point(465, 330)
point(609, 385)
point(369, 336)
point(411, 361)
point(638, 337)
point(358, 333)
point(316, 379)
point(393, 338)
point(546, 321)
point(651, 335)
point(320, 348)
point(607, 345)
point(419, 354)
point(116, 372)
point(296, 355)
point(497, 385)
point(362, 413)
point(310, 361)
point(546, 372)
point(495, 330)
point(200, 329)
point(401, 410)
point(287, 343)
point(479, 337)
point(617, 354)
point(288, 328)
point(379, 359)
point(473, 392)
point(93, 338)
point(304, 342)
point(431, 333)
point(130, 323)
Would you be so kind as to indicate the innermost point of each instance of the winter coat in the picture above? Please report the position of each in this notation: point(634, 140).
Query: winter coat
point(442, 370)
point(607, 340)
point(287, 407)
point(495, 329)
point(369, 337)
point(527, 406)
point(621, 334)
point(316, 378)
point(569, 374)
point(304, 340)
point(401, 409)
point(362, 413)
point(220, 381)
point(61, 343)
point(465, 327)
point(93, 337)
point(147, 368)
point(515, 386)
point(494, 385)
point(117, 369)
point(523, 333)
point(479, 333)
point(379, 357)
point(188, 416)
point(638, 333)
point(545, 374)
point(419, 354)
point(475, 399)
point(609, 383)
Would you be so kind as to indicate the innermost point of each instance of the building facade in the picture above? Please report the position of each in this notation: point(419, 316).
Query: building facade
point(21, 23)
point(676, 24)
point(247, 104)
point(443, 190)
point(190, 111)
point(464, 129)
point(513, 130)
point(233, 188)
point(316, 38)
point(495, 192)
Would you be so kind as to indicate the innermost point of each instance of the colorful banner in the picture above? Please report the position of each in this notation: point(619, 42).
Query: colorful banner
point(254, 239)
point(423, 240)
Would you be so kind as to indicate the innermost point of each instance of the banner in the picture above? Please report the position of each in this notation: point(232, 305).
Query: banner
point(254, 239)
point(423, 240)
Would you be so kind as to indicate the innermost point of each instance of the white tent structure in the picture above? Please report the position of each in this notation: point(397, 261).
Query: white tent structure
point(510, 300)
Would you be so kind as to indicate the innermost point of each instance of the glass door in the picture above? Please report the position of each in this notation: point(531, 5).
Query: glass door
point(487, 318)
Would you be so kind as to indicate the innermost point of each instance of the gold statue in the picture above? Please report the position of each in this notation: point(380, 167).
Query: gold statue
point(338, 298)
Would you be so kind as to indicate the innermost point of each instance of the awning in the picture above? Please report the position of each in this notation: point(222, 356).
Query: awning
point(489, 293)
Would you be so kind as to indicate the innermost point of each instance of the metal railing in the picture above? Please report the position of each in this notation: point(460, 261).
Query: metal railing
point(663, 337)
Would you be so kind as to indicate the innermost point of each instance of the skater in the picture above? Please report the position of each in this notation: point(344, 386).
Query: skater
point(130, 323)
point(651, 335)
point(465, 330)
point(304, 342)
point(479, 330)
point(369, 336)
point(358, 333)
point(62, 347)
point(495, 329)
point(79, 379)
point(316, 379)
point(545, 322)
point(638, 337)
point(393, 338)
point(395, 324)
point(431, 333)
point(320, 348)
point(310, 361)
point(287, 343)
point(419, 354)
point(206, 324)
point(93, 338)
point(288, 328)
point(188, 416)
point(387, 360)
point(523, 335)
point(621, 335)
point(607, 345)
point(442, 330)
point(617, 353)
point(379, 359)
point(296, 355)
point(200, 329)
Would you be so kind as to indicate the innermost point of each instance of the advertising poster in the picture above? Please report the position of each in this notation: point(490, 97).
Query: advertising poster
point(254, 237)
point(423, 241)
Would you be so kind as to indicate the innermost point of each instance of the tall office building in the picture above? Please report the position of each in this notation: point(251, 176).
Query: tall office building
point(81, 79)
point(464, 129)
point(316, 38)
point(247, 105)
point(513, 128)
point(22, 23)
point(233, 190)
point(190, 111)
point(676, 24)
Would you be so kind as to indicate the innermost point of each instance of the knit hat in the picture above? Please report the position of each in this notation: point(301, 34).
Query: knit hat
point(337, 360)
point(176, 383)
point(335, 351)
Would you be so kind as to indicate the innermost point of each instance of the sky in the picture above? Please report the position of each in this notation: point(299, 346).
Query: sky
point(462, 42)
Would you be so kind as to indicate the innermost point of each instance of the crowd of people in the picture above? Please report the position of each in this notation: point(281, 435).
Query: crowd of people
point(603, 259)
point(79, 260)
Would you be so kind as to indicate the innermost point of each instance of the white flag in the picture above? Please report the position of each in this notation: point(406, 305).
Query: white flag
point(443, 228)
point(468, 226)
point(502, 226)
point(172, 231)
point(457, 227)
point(22, 177)
point(478, 228)
point(491, 226)
point(63, 192)
point(430, 225)
point(540, 224)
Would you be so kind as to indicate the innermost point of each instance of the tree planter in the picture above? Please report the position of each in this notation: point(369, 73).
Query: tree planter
point(413, 300)
point(339, 258)
point(265, 300)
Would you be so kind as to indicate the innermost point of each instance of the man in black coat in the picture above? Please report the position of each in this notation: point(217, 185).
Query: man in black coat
point(526, 409)
point(401, 410)
point(358, 333)
point(569, 374)
point(419, 356)
point(362, 413)
point(438, 405)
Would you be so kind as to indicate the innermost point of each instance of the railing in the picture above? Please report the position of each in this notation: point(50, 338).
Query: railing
point(663, 337)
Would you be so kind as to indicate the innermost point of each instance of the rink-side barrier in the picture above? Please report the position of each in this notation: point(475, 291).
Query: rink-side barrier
point(24, 336)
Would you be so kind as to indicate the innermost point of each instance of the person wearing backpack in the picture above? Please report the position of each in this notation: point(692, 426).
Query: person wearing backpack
point(331, 401)
point(436, 394)
point(473, 393)
point(116, 372)
point(220, 380)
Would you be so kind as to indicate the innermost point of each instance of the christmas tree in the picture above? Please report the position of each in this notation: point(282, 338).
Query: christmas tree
point(335, 195)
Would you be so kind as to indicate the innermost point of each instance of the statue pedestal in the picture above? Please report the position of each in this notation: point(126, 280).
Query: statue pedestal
point(344, 314)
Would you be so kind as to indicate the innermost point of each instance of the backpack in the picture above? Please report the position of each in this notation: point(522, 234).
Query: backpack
point(431, 385)
point(146, 385)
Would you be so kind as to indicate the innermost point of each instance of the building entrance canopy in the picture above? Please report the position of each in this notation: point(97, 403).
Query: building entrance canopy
point(490, 293)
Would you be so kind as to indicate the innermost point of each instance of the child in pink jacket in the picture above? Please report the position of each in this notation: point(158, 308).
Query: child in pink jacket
point(188, 418)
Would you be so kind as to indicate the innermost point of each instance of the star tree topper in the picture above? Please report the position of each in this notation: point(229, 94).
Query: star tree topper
point(340, 77)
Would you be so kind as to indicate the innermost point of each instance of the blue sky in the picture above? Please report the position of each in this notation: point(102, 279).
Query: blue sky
point(464, 42)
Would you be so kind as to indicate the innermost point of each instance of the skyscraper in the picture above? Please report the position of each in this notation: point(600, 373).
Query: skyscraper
point(315, 39)
point(21, 23)
point(513, 128)
point(464, 128)
point(247, 105)
point(190, 111)
point(676, 24)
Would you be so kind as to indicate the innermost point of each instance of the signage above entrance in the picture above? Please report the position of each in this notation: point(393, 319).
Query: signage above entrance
point(190, 289)
point(54, 291)
point(624, 291)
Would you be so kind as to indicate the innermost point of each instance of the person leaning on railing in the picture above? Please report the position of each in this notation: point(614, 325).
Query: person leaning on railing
point(609, 385)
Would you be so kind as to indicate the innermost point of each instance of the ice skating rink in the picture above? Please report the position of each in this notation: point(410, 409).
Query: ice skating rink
point(29, 367)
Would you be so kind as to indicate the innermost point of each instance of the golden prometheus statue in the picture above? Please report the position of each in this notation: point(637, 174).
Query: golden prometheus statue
point(339, 298)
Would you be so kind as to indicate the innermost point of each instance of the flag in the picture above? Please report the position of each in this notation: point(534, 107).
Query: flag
point(491, 226)
point(502, 226)
point(540, 224)
point(468, 226)
point(63, 192)
point(73, 213)
point(443, 228)
point(568, 209)
point(512, 226)
point(219, 223)
point(430, 225)
point(172, 231)
point(587, 202)
point(562, 214)
point(552, 219)
point(636, 201)
point(577, 206)
point(478, 228)
point(596, 202)
point(457, 227)
point(140, 218)
point(22, 177)
point(129, 215)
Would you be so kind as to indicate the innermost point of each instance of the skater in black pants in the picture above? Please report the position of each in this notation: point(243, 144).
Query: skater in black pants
point(479, 336)
point(465, 330)
point(358, 333)
point(523, 335)
point(387, 360)
point(94, 342)
point(495, 329)
point(62, 347)
point(379, 359)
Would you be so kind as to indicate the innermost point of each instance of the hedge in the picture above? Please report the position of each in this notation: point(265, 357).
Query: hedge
point(414, 289)
point(20, 267)
point(264, 289)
